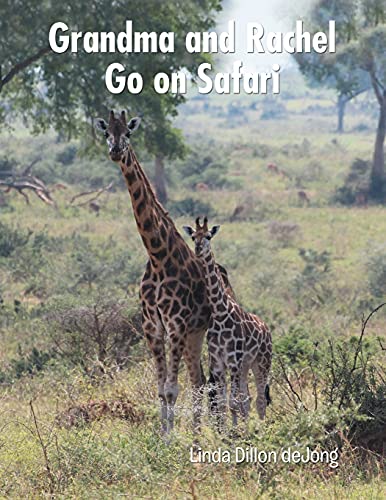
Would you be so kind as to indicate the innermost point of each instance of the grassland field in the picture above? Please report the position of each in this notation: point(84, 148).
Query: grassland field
point(111, 457)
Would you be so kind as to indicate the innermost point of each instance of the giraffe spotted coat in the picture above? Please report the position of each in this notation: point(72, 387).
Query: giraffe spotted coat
point(238, 341)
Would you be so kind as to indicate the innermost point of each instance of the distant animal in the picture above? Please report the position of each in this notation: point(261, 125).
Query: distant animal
point(273, 168)
point(303, 197)
point(59, 187)
point(201, 186)
point(238, 341)
point(240, 209)
point(94, 207)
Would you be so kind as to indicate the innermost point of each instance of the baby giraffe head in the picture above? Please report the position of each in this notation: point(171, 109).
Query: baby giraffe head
point(117, 133)
point(201, 236)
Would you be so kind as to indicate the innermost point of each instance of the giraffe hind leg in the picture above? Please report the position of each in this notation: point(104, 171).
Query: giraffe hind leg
point(263, 397)
point(245, 398)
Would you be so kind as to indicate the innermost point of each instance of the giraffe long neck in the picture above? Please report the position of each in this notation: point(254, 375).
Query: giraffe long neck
point(214, 284)
point(155, 227)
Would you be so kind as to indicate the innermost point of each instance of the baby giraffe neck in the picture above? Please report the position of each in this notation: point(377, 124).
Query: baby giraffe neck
point(214, 284)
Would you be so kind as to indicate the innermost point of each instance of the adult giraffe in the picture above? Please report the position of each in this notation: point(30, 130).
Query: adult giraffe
point(172, 290)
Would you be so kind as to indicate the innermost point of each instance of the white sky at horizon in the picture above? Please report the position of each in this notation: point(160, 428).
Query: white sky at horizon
point(274, 15)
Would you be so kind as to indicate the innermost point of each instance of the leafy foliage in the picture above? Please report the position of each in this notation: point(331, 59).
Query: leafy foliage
point(356, 183)
point(12, 239)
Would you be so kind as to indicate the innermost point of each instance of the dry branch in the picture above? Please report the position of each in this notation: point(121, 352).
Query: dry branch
point(96, 192)
point(28, 183)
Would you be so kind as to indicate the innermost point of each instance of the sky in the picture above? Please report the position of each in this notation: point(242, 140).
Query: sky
point(274, 15)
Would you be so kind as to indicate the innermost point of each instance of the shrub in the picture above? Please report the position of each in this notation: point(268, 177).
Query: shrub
point(26, 364)
point(11, 239)
point(191, 207)
point(273, 110)
point(355, 184)
point(202, 166)
point(311, 283)
point(295, 345)
point(348, 386)
point(283, 232)
point(376, 267)
point(67, 155)
point(96, 335)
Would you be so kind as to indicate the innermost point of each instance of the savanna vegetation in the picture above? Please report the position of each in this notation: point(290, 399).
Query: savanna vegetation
point(302, 239)
point(79, 413)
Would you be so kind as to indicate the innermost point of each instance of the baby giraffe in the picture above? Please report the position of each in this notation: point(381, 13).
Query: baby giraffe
point(237, 340)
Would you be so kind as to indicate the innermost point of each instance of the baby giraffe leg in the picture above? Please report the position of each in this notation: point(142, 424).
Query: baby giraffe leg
point(235, 403)
point(261, 380)
point(245, 398)
point(218, 391)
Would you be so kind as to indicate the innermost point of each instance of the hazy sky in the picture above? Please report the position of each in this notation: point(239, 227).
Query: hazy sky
point(274, 15)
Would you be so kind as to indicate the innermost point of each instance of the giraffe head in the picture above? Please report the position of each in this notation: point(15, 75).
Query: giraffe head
point(117, 133)
point(201, 236)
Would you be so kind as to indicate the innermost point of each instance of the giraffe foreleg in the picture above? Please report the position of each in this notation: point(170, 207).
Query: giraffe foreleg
point(235, 401)
point(155, 336)
point(192, 356)
point(217, 389)
point(245, 398)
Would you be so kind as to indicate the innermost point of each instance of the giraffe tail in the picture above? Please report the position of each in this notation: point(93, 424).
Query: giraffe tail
point(267, 395)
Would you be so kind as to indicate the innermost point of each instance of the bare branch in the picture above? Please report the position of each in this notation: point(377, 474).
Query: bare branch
point(22, 65)
point(97, 193)
point(44, 450)
point(290, 384)
point(364, 324)
point(29, 183)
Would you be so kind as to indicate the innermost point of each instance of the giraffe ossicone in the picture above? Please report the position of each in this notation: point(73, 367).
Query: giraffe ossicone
point(238, 341)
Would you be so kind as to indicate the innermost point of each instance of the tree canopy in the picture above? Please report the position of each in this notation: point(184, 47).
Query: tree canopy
point(67, 91)
point(359, 62)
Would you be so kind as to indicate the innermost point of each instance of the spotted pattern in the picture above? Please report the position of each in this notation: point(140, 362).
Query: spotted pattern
point(238, 342)
point(175, 310)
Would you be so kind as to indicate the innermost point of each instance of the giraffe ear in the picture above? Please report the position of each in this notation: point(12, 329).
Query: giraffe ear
point(101, 125)
point(188, 230)
point(214, 230)
point(133, 124)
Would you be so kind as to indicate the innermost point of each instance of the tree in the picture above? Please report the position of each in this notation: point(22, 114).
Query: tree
point(361, 55)
point(67, 91)
point(324, 70)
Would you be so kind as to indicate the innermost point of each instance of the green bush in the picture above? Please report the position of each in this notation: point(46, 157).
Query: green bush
point(12, 239)
point(202, 166)
point(376, 267)
point(26, 364)
point(295, 346)
point(356, 183)
point(190, 207)
point(312, 283)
